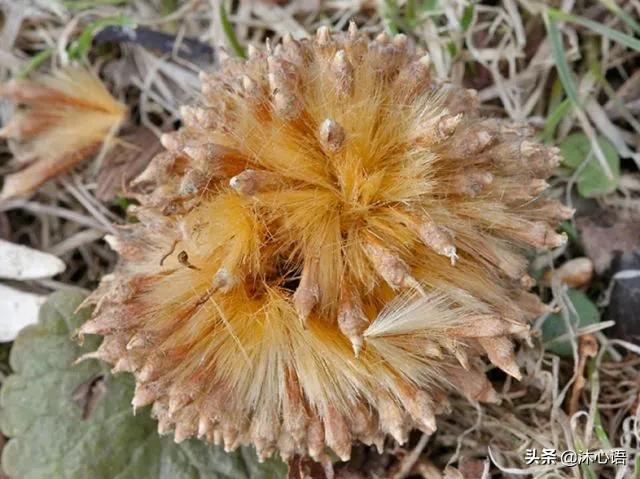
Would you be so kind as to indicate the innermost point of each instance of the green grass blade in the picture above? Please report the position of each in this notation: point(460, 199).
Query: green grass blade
point(389, 13)
point(35, 61)
point(430, 5)
point(564, 73)
point(603, 30)
point(81, 46)
point(230, 33)
point(601, 434)
point(587, 472)
point(557, 51)
point(554, 118)
point(169, 6)
point(410, 12)
point(556, 95)
point(611, 5)
point(86, 4)
point(586, 469)
point(467, 17)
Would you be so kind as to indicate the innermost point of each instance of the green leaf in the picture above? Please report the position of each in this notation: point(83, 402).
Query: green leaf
point(592, 180)
point(555, 326)
point(49, 438)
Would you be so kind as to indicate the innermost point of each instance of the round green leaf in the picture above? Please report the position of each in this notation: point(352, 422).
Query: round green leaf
point(592, 180)
point(555, 326)
point(50, 439)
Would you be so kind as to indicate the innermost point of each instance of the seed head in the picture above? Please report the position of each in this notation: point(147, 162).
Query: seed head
point(348, 253)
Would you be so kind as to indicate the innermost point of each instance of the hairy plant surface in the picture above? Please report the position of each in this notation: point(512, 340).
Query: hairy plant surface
point(329, 248)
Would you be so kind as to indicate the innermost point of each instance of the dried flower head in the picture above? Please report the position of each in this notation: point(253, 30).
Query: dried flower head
point(64, 117)
point(326, 250)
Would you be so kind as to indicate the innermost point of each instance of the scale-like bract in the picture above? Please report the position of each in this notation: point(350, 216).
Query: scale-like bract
point(329, 247)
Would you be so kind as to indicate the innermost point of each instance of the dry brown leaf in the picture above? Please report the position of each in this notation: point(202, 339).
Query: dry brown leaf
point(125, 161)
point(606, 234)
point(301, 467)
point(471, 467)
point(62, 118)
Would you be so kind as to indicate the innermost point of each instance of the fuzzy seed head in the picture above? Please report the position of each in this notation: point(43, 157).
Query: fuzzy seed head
point(348, 249)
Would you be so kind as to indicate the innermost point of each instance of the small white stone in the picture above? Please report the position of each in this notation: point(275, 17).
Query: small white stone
point(22, 263)
point(17, 310)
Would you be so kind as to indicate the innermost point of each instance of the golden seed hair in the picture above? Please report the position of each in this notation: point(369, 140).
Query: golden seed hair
point(332, 244)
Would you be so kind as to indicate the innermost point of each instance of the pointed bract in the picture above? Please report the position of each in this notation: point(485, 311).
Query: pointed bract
point(333, 243)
